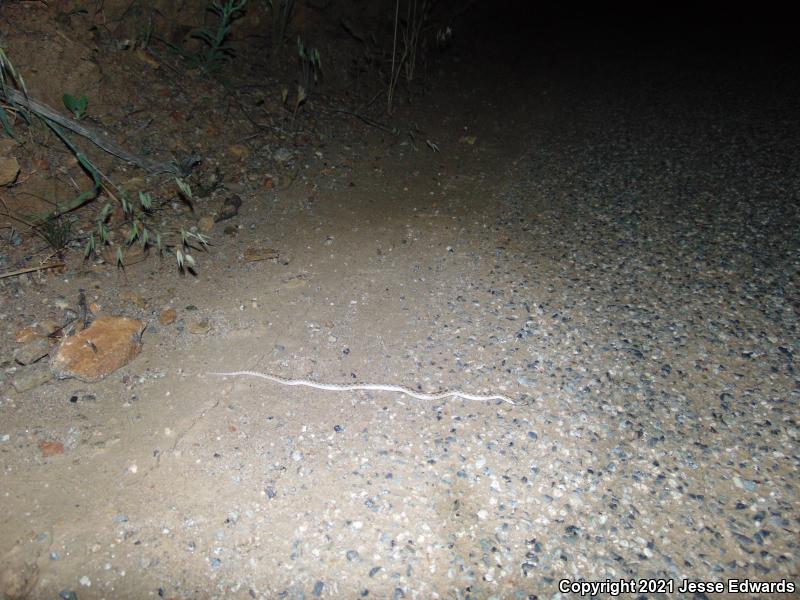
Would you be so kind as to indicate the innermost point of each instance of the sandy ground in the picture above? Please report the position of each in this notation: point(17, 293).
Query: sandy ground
point(655, 440)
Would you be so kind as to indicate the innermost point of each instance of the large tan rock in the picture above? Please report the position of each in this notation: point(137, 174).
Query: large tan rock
point(108, 344)
point(9, 169)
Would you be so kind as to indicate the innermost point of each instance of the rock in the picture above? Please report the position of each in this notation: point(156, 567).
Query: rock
point(239, 151)
point(91, 355)
point(50, 448)
point(9, 169)
point(31, 377)
point(147, 58)
point(32, 350)
point(26, 334)
point(49, 326)
point(304, 138)
point(206, 224)
point(167, 316)
point(256, 254)
point(133, 297)
point(270, 181)
point(295, 281)
point(282, 155)
point(230, 207)
point(200, 327)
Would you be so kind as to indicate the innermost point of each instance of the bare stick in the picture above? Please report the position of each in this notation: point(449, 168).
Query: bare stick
point(29, 270)
point(97, 138)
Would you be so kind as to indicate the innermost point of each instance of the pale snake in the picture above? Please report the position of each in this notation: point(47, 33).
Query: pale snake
point(378, 387)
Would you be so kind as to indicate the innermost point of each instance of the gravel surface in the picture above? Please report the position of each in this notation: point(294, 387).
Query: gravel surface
point(640, 289)
point(664, 240)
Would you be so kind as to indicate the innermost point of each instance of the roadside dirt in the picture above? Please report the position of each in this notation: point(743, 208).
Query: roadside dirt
point(178, 483)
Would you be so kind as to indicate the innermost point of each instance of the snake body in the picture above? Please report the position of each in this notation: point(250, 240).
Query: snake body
point(378, 387)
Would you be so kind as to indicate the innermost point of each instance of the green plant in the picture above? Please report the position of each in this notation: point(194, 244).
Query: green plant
point(134, 219)
point(185, 190)
point(405, 59)
point(56, 231)
point(310, 64)
point(9, 77)
point(186, 260)
point(310, 71)
point(143, 13)
point(55, 227)
point(77, 105)
point(138, 222)
point(218, 52)
point(281, 13)
point(87, 164)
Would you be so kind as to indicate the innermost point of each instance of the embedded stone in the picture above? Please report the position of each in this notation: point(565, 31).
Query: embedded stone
point(94, 353)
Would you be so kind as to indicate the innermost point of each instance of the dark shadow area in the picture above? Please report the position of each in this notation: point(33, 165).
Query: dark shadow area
point(754, 43)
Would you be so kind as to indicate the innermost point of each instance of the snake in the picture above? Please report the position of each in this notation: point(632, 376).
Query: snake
point(378, 387)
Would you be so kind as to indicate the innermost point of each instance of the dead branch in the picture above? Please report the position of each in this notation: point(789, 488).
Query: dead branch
point(99, 139)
